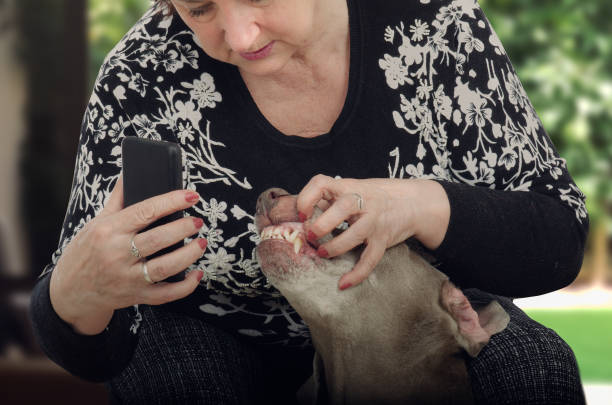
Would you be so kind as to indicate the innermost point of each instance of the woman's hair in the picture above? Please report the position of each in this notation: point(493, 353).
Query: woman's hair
point(165, 6)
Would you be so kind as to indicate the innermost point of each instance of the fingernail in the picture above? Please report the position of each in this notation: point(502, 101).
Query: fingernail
point(198, 222)
point(321, 252)
point(203, 243)
point(301, 216)
point(345, 286)
point(200, 275)
point(312, 237)
point(192, 196)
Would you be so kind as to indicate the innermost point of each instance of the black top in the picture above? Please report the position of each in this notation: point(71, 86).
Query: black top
point(431, 94)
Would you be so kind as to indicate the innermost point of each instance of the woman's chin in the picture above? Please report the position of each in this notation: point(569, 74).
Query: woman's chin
point(271, 65)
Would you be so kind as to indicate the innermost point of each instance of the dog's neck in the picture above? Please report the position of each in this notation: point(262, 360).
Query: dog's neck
point(361, 333)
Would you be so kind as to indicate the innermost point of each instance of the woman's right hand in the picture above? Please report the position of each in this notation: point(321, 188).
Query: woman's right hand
point(97, 272)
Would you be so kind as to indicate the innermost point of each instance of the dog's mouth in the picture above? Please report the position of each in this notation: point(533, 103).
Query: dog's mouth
point(291, 233)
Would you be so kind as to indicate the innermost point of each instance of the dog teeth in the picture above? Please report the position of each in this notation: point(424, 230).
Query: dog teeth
point(285, 234)
point(297, 245)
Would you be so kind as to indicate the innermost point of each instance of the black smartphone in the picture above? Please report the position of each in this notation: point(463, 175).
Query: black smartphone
point(151, 168)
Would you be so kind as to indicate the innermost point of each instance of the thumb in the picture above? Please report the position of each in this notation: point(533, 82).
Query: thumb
point(370, 257)
point(115, 200)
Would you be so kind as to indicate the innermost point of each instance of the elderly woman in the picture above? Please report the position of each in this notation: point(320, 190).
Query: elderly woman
point(411, 105)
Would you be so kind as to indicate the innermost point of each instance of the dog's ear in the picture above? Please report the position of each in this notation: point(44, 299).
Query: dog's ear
point(474, 328)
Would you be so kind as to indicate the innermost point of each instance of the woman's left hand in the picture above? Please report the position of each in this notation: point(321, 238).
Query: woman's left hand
point(381, 213)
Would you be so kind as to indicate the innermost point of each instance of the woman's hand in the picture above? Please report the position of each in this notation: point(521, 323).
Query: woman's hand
point(97, 273)
point(381, 213)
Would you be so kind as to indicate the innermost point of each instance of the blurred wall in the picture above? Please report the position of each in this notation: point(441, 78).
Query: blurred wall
point(51, 50)
point(13, 260)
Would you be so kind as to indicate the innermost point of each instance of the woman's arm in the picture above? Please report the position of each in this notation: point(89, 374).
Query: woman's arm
point(506, 216)
point(95, 358)
point(518, 222)
point(83, 306)
point(510, 243)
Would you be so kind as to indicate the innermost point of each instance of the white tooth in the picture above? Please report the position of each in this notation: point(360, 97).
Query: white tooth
point(286, 234)
point(297, 245)
point(293, 236)
point(277, 231)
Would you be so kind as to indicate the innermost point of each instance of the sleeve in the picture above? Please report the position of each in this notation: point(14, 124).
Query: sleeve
point(518, 222)
point(97, 168)
point(96, 358)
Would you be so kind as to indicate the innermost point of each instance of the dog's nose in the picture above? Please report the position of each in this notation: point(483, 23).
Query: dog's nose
point(275, 193)
point(268, 199)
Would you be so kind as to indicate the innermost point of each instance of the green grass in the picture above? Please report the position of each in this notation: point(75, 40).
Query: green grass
point(589, 334)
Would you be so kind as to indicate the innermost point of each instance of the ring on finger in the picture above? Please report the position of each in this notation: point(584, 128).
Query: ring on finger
point(133, 249)
point(145, 272)
point(359, 201)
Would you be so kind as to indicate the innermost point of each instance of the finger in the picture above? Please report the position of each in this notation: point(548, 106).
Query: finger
point(139, 215)
point(166, 235)
point(115, 200)
point(342, 209)
point(354, 236)
point(369, 259)
point(162, 293)
point(318, 188)
point(171, 263)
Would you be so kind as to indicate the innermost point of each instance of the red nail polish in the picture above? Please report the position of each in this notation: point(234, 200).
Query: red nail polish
point(302, 216)
point(321, 252)
point(203, 243)
point(200, 275)
point(345, 286)
point(192, 196)
point(198, 222)
point(312, 237)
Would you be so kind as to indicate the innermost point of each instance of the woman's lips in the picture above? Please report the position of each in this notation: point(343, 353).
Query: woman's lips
point(259, 54)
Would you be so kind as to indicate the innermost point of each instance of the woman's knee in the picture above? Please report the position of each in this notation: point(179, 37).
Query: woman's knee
point(525, 363)
point(181, 361)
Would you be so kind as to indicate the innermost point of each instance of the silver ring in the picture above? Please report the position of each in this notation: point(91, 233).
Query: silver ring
point(145, 272)
point(359, 201)
point(133, 249)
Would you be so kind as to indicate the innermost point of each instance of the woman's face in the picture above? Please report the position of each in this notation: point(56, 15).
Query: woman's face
point(258, 36)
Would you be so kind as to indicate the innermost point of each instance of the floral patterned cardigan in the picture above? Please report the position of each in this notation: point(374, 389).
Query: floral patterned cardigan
point(432, 94)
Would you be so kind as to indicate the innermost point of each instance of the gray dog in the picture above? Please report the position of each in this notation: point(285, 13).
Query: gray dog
point(396, 338)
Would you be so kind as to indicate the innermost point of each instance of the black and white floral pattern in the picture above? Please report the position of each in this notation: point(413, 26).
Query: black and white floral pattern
point(497, 149)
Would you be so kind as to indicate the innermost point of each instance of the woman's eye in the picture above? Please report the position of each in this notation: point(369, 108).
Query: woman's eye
point(200, 11)
point(206, 9)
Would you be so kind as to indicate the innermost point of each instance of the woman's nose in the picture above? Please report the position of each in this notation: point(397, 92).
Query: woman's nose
point(240, 27)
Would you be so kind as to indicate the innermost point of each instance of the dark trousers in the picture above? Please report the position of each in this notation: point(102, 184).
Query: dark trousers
point(180, 360)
